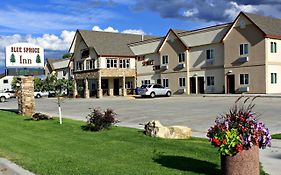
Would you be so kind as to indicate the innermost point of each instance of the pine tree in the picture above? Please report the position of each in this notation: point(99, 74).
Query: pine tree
point(12, 59)
point(38, 59)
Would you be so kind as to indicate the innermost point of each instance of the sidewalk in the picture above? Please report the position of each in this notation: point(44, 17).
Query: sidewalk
point(9, 168)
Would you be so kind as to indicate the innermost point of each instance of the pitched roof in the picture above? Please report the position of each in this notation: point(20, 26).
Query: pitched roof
point(2, 75)
point(109, 43)
point(58, 63)
point(269, 25)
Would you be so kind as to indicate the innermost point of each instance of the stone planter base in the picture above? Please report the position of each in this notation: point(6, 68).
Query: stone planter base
point(245, 162)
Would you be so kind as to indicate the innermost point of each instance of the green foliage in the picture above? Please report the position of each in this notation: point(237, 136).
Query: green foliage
point(230, 141)
point(14, 83)
point(67, 55)
point(12, 59)
point(38, 84)
point(38, 59)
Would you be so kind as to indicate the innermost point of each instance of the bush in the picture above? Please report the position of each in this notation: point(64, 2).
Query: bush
point(98, 120)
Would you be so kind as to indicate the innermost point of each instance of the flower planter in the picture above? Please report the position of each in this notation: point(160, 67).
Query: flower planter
point(245, 162)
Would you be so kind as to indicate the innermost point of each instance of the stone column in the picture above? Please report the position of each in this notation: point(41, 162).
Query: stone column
point(75, 92)
point(99, 90)
point(86, 90)
point(26, 101)
point(124, 90)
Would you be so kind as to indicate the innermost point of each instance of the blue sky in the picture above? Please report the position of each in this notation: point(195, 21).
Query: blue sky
point(52, 23)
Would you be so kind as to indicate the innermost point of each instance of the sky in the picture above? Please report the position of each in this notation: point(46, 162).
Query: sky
point(51, 24)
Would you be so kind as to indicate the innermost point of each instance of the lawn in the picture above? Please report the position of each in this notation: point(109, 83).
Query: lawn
point(276, 136)
point(45, 147)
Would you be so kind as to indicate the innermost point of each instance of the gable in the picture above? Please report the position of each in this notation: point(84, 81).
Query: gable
point(174, 41)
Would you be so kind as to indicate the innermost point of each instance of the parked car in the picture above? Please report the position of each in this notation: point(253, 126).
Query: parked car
point(4, 96)
point(12, 94)
point(154, 90)
point(41, 94)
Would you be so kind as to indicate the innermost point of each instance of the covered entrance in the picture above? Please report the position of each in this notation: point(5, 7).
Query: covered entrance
point(116, 87)
point(230, 84)
point(193, 85)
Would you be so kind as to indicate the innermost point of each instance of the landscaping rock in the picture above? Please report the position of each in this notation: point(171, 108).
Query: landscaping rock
point(155, 129)
point(41, 116)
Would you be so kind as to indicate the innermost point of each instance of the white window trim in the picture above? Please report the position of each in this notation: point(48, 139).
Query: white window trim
point(164, 80)
point(184, 82)
point(249, 46)
point(182, 53)
point(275, 82)
point(167, 60)
point(213, 54)
point(244, 79)
point(207, 81)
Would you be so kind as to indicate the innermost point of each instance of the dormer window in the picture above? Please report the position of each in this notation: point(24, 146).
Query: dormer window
point(242, 24)
point(85, 53)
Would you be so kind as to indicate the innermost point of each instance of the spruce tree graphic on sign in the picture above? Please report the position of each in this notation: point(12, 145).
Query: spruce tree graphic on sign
point(12, 58)
point(38, 59)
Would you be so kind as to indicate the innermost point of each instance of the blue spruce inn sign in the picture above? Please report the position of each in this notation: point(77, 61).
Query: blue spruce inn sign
point(24, 59)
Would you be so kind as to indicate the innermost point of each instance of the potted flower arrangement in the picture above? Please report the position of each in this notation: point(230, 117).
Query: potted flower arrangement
point(238, 135)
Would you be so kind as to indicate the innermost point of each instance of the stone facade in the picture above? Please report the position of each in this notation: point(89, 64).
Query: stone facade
point(26, 101)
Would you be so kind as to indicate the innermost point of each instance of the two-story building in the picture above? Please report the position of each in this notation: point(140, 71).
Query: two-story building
point(103, 63)
point(62, 67)
point(251, 54)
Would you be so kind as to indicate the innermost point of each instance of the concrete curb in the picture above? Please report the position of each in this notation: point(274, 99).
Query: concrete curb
point(9, 168)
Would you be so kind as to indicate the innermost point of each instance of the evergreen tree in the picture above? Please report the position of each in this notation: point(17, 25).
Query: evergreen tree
point(13, 59)
point(38, 59)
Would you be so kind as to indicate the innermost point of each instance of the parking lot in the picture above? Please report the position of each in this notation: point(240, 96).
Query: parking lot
point(196, 112)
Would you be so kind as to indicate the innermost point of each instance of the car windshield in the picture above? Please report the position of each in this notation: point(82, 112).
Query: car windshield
point(145, 86)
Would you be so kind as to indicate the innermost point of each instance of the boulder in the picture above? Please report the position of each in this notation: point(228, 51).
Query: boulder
point(41, 116)
point(155, 129)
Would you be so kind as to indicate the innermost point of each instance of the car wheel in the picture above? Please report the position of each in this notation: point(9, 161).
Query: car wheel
point(152, 95)
point(168, 94)
point(2, 99)
point(38, 96)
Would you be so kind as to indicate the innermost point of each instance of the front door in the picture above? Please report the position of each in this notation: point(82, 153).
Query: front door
point(200, 85)
point(116, 87)
point(193, 85)
point(230, 84)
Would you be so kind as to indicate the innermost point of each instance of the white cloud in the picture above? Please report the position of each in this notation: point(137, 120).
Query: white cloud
point(111, 29)
point(190, 12)
point(235, 9)
point(134, 31)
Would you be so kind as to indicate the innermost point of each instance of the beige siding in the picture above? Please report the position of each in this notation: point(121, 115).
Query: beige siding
point(274, 88)
point(147, 69)
point(198, 55)
point(172, 47)
point(152, 77)
point(174, 81)
point(273, 57)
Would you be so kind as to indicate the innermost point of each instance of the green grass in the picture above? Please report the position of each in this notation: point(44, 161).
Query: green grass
point(45, 147)
point(276, 136)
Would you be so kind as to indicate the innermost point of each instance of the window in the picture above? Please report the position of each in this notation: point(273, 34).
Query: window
point(244, 49)
point(182, 82)
point(166, 82)
point(210, 81)
point(210, 54)
point(244, 79)
point(273, 47)
point(145, 82)
point(85, 53)
point(273, 78)
point(111, 63)
point(124, 63)
point(129, 85)
point(64, 72)
point(165, 59)
point(242, 24)
point(90, 64)
point(181, 57)
point(158, 81)
point(79, 65)
point(5, 81)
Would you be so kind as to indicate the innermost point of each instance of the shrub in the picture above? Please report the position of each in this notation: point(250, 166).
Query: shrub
point(98, 120)
point(239, 130)
point(40, 116)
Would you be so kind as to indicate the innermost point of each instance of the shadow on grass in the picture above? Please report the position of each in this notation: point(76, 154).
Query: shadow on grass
point(187, 164)
point(11, 110)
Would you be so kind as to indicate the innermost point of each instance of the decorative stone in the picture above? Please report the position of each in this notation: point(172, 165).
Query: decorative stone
point(41, 116)
point(245, 162)
point(26, 101)
point(156, 129)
